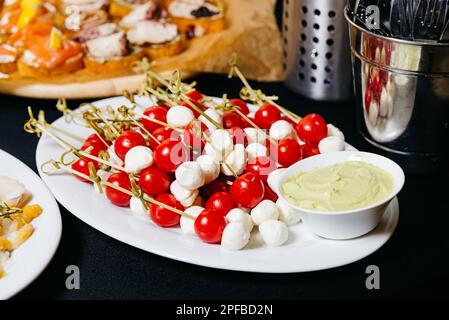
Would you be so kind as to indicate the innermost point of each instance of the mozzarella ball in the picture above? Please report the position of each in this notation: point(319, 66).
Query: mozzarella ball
point(190, 175)
point(113, 157)
point(235, 161)
point(235, 236)
point(239, 215)
point(265, 210)
point(286, 214)
point(255, 135)
point(179, 116)
point(214, 115)
point(221, 142)
point(281, 129)
point(331, 144)
point(333, 131)
point(210, 167)
point(274, 233)
point(273, 178)
point(138, 158)
point(255, 150)
point(189, 201)
point(179, 191)
point(137, 207)
point(187, 223)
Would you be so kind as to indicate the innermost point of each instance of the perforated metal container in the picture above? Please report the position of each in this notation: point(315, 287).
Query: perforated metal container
point(317, 61)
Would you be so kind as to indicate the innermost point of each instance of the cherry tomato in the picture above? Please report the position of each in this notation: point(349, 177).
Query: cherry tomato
point(289, 152)
point(82, 166)
point(221, 202)
point(266, 116)
point(196, 103)
point(209, 226)
point(215, 186)
point(261, 167)
point(126, 141)
point(117, 197)
point(248, 190)
point(309, 150)
point(238, 136)
point(243, 107)
point(195, 95)
point(170, 154)
point(270, 194)
point(164, 217)
point(162, 134)
point(94, 138)
point(94, 147)
point(232, 119)
point(312, 128)
point(153, 181)
point(193, 135)
point(247, 124)
point(154, 112)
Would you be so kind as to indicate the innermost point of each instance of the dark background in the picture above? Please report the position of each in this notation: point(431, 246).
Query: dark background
point(413, 264)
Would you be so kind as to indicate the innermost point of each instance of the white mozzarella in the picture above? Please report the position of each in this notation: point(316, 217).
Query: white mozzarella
point(235, 161)
point(286, 213)
point(214, 115)
point(220, 144)
point(138, 158)
point(239, 215)
point(273, 178)
point(179, 116)
point(333, 131)
point(255, 150)
point(189, 201)
point(190, 175)
point(331, 144)
point(255, 135)
point(265, 210)
point(235, 236)
point(281, 129)
point(179, 191)
point(274, 233)
point(209, 166)
point(137, 207)
point(187, 223)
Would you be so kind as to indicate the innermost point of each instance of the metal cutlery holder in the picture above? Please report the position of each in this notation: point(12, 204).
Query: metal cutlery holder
point(316, 49)
point(402, 92)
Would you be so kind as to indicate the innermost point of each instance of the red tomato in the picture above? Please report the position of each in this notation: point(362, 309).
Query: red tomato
point(242, 106)
point(238, 136)
point(193, 135)
point(96, 139)
point(153, 181)
point(309, 150)
point(293, 123)
point(270, 194)
point(209, 226)
point(126, 141)
point(289, 151)
point(115, 196)
point(170, 154)
point(164, 217)
point(154, 112)
point(196, 103)
point(162, 134)
point(232, 119)
point(248, 190)
point(312, 128)
point(261, 167)
point(215, 186)
point(221, 202)
point(266, 116)
point(247, 124)
point(195, 95)
point(82, 166)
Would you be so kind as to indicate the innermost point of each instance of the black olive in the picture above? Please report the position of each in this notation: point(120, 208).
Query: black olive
point(202, 12)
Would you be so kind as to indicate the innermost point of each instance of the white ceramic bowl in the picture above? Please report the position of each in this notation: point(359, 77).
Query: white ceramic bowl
point(344, 224)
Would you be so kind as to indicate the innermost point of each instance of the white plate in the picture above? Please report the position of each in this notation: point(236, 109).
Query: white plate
point(30, 259)
point(303, 252)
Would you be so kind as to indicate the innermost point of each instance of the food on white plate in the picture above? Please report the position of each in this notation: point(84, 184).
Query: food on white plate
point(255, 135)
point(333, 131)
point(265, 210)
point(235, 236)
point(138, 158)
point(179, 116)
point(274, 233)
point(214, 115)
point(209, 166)
point(187, 223)
point(240, 215)
point(343, 186)
point(235, 162)
point(189, 175)
point(281, 129)
point(286, 213)
point(331, 144)
point(220, 144)
point(137, 207)
point(15, 218)
point(255, 150)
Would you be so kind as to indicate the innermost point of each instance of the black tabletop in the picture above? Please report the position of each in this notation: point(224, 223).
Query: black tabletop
point(413, 263)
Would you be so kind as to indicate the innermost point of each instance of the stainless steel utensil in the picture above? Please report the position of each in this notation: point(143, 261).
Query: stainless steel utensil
point(316, 49)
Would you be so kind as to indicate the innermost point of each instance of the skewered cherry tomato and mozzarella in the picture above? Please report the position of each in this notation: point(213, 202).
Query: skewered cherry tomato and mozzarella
point(222, 178)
